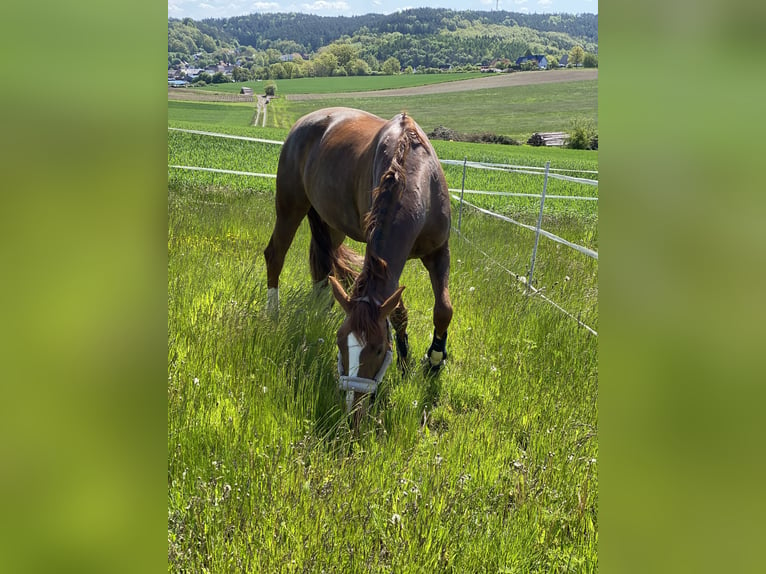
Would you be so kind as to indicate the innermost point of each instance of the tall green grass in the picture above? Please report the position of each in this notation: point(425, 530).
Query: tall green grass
point(491, 467)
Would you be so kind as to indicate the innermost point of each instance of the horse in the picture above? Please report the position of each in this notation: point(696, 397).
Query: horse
point(380, 183)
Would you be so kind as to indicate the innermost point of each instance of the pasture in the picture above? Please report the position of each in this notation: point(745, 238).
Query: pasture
point(490, 467)
point(516, 111)
point(335, 85)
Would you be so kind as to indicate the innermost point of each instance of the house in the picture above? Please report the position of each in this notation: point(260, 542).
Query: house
point(192, 73)
point(290, 57)
point(563, 61)
point(542, 61)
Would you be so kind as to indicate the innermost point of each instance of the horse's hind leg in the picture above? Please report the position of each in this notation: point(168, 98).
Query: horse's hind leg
point(323, 242)
point(437, 264)
point(289, 217)
point(323, 253)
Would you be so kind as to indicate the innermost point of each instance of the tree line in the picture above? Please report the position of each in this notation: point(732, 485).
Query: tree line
point(279, 46)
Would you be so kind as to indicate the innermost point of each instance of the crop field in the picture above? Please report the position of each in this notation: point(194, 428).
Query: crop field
point(491, 467)
point(345, 84)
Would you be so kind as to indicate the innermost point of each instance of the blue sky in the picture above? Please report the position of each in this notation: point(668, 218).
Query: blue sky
point(199, 9)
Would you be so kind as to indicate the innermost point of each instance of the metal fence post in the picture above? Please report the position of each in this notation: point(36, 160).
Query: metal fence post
point(539, 224)
point(462, 190)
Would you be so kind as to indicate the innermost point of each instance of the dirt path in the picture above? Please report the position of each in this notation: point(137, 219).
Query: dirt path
point(261, 107)
point(489, 82)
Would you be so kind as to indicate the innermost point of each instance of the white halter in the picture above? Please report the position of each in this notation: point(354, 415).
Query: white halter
point(352, 382)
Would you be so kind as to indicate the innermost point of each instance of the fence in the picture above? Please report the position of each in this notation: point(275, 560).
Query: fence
point(546, 172)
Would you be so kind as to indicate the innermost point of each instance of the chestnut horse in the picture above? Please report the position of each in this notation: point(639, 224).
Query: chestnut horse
point(378, 182)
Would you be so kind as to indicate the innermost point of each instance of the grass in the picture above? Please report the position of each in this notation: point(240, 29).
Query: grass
point(344, 84)
point(235, 114)
point(515, 111)
point(203, 151)
point(491, 467)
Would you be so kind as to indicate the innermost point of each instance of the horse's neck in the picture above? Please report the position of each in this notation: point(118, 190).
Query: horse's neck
point(379, 286)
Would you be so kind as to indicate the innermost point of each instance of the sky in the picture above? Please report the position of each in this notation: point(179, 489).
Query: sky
point(199, 9)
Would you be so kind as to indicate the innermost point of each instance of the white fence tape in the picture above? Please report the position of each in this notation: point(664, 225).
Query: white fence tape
point(526, 169)
point(519, 169)
point(230, 171)
point(523, 281)
point(533, 195)
point(496, 167)
point(548, 234)
point(228, 136)
point(507, 166)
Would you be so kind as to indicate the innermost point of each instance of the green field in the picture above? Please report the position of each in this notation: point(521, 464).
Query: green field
point(515, 111)
point(492, 467)
point(344, 84)
point(230, 114)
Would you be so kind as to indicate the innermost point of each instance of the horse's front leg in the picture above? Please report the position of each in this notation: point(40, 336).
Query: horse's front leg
point(399, 321)
point(437, 264)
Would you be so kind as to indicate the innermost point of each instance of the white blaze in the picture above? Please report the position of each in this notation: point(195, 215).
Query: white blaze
point(354, 352)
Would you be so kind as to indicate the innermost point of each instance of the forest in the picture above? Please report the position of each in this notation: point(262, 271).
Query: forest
point(423, 39)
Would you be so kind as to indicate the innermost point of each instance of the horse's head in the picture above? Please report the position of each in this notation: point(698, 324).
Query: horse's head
point(364, 342)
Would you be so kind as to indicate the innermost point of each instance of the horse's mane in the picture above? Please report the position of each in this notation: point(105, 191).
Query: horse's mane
point(364, 316)
point(392, 183)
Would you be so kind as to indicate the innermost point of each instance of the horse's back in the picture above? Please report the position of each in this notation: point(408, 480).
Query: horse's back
point(326, 160)
point(334, 158)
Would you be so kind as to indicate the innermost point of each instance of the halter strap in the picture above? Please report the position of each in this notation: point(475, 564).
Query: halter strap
point(363, 384)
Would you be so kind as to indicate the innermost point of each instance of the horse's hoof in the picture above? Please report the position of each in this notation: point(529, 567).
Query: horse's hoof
point(431, 368)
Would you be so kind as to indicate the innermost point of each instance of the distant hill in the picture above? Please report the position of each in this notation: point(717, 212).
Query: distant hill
point(428, 37)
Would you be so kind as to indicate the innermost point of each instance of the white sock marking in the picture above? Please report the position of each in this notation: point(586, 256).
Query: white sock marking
point(272, 301)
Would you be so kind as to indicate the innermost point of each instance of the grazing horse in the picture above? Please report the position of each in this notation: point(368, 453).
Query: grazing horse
point(380, 183)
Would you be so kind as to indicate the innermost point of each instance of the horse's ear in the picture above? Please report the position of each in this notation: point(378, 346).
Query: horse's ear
point(391, 303)
point(340, 294)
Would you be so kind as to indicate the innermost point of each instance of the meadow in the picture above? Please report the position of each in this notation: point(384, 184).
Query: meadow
point(344, 84)
point(516, 111)
point(491, 467)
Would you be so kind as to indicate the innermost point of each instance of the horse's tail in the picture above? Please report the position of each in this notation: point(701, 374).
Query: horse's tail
point(392, 182)
point(345, 265)
point(343, 262)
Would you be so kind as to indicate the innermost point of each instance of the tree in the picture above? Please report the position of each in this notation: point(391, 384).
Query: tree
point(220, 78)
point(344, 52)
point(358, 68)
point(278, 72)
point(307, 69)
point(325, 64)
point(270, 89)
point(576, 56)
point(391, 66)
point(240, 74)
point(582, 134)
point(590, 61)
